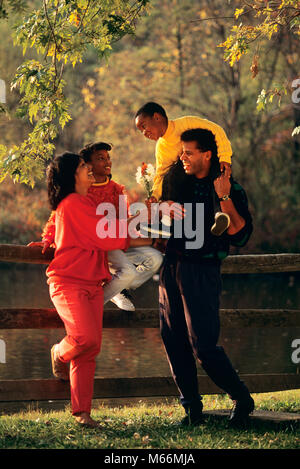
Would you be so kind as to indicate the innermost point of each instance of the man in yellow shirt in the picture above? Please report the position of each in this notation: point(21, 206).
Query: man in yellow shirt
point(151, 119)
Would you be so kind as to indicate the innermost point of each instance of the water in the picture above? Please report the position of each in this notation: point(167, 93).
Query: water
point(139, 352)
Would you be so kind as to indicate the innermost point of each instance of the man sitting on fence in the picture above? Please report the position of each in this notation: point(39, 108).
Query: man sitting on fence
point(190, 281)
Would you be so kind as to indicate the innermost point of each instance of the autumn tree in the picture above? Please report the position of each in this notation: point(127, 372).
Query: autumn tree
point(174, 58)
point(60, 33)
point(187, 74)
point(278, 19)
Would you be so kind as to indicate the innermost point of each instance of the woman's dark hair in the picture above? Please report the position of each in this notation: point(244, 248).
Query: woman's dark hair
point(87, 151)
point(61, 177)
point(205, 142)
point(150, 108)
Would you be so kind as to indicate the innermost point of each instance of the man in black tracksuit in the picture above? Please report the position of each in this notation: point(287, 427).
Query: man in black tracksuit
point(190, 280)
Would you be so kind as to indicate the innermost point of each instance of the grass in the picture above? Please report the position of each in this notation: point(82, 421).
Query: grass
point(150, 426)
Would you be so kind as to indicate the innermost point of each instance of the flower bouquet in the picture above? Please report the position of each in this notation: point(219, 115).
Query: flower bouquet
point(145, 176)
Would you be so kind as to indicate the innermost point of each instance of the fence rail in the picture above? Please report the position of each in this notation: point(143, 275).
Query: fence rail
point(244, 264)
point(152, 386)
point(280, 326)
point(47, 318)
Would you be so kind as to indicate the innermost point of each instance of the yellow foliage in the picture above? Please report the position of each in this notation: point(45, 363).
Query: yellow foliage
point(74, 18)
point(51, 50)
point(101, 70)
point(238, 12)
point(91, 82)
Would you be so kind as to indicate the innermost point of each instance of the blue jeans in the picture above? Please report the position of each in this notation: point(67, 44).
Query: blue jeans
point(131, 269)
point(189, 323)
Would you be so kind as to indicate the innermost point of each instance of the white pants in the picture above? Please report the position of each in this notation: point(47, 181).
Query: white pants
point(131, 269)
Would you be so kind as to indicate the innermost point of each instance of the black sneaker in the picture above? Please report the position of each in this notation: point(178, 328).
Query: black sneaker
point(192, 420)
point(222, 222)
point(241, 410)
point(194, 415)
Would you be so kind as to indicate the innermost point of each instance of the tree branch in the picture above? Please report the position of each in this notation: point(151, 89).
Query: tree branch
point(56, 45)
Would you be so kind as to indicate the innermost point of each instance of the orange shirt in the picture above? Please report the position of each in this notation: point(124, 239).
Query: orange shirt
point(80, 255)
point(108, 191)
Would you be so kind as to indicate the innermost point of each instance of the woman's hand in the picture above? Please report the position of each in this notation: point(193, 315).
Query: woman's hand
point(44, 244)
point(148, 202)
point(167, 207)
point(151, 200)
point(173, 209)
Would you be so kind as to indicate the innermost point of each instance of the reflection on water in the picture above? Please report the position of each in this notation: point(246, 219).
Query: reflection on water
point(139, 352)
point(24, 285)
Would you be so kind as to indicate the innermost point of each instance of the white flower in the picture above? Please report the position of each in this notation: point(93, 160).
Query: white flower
point(144, 176)
point(150, 172)
point(138, 176)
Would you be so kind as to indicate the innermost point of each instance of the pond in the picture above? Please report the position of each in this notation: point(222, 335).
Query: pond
point(139, 352)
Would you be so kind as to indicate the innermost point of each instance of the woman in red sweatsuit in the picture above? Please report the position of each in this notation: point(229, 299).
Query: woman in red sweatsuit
point(75, 276)
point(131, 269)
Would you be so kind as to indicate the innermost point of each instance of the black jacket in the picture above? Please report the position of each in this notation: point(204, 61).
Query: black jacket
point(182, 188)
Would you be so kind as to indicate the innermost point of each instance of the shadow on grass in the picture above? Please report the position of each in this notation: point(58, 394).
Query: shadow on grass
point(212, 424)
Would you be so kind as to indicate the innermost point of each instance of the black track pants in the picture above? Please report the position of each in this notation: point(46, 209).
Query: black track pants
point(189, 322)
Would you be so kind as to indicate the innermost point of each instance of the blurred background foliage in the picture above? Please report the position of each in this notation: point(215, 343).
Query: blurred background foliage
point(174, 58)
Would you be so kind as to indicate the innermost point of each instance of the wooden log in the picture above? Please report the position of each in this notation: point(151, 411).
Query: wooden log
point(29, 318)
point(154, 386)
point(25, 254)
point(261, 263)
point(44, 318)
point(246, 264)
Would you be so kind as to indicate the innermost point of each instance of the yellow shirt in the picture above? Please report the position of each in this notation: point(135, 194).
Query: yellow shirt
point(168, 147)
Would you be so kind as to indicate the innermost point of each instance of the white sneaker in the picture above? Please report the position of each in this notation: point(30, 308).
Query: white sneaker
point(123, 302)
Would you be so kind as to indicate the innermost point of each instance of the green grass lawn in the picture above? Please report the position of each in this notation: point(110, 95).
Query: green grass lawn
point(151, 426)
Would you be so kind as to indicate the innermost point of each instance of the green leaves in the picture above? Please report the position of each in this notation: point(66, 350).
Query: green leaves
point(9, 6)
point(44, 104)
point(271, 19)
point(267, 97)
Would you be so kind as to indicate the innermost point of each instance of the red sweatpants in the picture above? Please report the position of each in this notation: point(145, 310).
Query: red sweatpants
point(80, 307)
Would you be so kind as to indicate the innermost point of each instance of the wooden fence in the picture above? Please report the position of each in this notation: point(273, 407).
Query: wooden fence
point(247, 334)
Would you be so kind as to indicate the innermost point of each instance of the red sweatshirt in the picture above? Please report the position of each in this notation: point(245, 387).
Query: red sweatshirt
point(80, 255)
point(97, 193)
point(106, 192)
